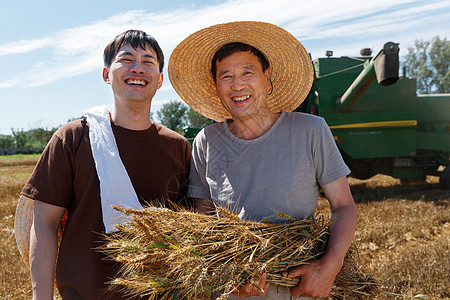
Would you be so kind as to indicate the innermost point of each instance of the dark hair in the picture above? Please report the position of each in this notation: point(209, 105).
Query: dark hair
point(228, 49)
point(134, 38)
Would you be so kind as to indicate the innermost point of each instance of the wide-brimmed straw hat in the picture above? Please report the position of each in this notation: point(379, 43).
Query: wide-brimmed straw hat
point(190, 63)
point(22, 227)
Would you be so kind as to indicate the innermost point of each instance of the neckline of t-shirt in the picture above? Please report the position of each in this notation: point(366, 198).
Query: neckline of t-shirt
point(264, 136)
point(123, 130)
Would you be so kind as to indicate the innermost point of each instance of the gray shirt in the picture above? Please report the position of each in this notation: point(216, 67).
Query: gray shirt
point(281, 171)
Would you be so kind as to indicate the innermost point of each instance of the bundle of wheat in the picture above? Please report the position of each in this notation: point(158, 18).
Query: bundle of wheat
point(186, 255)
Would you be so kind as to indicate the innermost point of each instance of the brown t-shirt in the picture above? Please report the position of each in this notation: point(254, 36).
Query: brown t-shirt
point(157, 162)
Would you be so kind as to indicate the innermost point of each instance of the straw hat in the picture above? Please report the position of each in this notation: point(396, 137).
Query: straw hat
point(190, 63)
point(22, 227)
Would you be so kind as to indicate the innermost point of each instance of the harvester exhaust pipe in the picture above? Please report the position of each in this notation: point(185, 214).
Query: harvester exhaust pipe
point(383, 67)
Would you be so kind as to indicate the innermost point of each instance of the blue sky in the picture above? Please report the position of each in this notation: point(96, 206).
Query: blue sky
point(51, 51)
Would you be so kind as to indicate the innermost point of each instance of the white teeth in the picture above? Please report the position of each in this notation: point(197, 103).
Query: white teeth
point(238, 99)
point(138, 82)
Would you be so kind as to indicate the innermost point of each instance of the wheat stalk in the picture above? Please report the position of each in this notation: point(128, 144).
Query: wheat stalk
point(183, 254)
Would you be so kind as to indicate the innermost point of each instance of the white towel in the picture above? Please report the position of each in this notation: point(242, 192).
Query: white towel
point(115, 185)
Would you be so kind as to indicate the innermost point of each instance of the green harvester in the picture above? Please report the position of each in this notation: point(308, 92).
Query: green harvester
point(381, 127)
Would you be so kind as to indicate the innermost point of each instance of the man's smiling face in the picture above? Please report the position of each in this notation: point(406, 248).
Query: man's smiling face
point(242, 85)
point(134, 74)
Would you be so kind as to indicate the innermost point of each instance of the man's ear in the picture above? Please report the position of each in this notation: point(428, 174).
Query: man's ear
point(267, 73)
point(106, 75)
point(160, 80)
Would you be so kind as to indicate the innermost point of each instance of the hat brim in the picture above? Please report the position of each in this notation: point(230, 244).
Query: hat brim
point(23, 220)
point(190, 63)
point(22, 226)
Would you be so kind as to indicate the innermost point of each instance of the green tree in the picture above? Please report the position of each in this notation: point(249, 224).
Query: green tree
point(196, 120)
point(428, 62)
point(20, 137)
point(6, 141)
point(173, 115)
point(440, 60)
point(35, 138)
point(38, 138)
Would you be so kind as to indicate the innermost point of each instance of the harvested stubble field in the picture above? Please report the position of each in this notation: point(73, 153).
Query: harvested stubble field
point(403, 234)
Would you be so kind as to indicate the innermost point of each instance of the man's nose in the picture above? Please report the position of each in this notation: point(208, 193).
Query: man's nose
point(238, 83)
point(137, 67)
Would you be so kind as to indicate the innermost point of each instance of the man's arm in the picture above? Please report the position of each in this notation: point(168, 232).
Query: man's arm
point(43, 248)
point(318, 276)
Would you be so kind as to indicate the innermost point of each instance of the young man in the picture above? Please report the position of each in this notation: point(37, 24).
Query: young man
point(261, 158)
point(120, 158)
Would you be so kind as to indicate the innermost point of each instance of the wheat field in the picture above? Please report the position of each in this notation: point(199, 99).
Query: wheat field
point(403, 234)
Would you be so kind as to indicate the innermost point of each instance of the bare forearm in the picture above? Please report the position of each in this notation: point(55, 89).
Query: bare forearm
point(43, 249)
point(318, 276)
point(342, 230)
point(341, 233)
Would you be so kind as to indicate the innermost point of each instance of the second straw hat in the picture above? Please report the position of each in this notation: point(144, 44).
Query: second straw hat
point(190, 63)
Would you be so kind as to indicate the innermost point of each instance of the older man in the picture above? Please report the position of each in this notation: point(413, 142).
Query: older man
point(260, 157)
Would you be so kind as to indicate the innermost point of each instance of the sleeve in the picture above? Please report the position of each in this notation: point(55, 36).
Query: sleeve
point(198, 185)
point(52, 179)
point(328, 161)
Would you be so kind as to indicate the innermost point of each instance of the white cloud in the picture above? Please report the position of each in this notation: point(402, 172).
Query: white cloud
point(344, 24)
point(23, 46)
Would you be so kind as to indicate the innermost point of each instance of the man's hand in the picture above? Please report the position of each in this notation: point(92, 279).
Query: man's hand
point(317, 276)
point(317, 279)
point(252, 288)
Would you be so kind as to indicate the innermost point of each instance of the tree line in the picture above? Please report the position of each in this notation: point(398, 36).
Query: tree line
point(174, 115)
point(427, 61)
point(20, 141)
